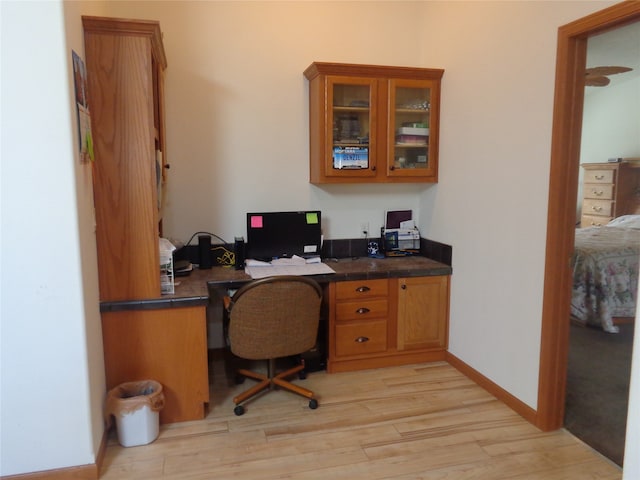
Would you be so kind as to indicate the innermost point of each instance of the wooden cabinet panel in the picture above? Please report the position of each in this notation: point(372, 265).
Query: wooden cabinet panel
point(167, 345)
point(373, 124)
point(125, 62)
point(423, 310)
point(406, 321)
point(360, 338)
point(361, 309)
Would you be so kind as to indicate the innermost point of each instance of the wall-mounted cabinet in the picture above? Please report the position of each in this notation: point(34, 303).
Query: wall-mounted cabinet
point(371, 124)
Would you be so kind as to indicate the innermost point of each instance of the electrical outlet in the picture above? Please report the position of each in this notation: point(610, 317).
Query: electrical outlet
point(364, 229)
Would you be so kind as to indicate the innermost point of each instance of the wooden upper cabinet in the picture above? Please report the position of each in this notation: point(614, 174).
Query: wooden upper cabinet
point(372, 123)
point(125, 61)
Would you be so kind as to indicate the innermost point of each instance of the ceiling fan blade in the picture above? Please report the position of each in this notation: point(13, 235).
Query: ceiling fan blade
point(607, 70)
point(596, 81)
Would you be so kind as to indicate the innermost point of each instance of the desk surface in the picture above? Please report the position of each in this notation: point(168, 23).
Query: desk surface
point(195, 288)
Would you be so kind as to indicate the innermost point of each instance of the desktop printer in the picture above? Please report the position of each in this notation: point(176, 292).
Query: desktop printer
point(400, 241)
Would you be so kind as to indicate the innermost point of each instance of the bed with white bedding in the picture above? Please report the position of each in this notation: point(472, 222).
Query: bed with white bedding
point(605, 272)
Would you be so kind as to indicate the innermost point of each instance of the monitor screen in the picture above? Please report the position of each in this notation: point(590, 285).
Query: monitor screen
point(283, 234)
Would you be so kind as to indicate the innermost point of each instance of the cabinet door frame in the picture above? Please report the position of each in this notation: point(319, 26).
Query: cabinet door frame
point(432, 295)
point(372, 84)
point(431, 172)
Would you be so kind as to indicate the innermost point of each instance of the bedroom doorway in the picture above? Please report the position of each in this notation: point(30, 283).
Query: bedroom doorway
point(563, 188)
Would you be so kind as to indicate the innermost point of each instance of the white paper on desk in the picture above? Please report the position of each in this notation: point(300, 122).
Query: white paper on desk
point(250, 262)
point(295, 260)
point(304, 269)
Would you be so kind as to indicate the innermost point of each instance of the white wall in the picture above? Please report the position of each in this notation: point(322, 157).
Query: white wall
point(52, 377)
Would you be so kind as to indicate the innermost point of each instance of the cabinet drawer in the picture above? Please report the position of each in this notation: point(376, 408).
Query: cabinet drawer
point(598, 191)
point(362, 289)
point(598, 176)
point(359, 338)
point(593, 221)
point(597, 207)
point(362, 309)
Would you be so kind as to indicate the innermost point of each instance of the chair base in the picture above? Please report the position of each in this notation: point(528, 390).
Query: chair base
point(271, 381)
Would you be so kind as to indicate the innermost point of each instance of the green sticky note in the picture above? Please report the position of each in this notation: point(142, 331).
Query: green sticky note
point(312, 218)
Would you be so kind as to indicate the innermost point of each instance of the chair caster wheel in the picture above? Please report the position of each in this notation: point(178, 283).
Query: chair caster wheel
point(239, 410)
point(313, 404)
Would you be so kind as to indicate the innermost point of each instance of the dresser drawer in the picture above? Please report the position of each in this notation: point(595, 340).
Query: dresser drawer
point(593, 221)
point(599, 176)
point(359, 338)
point(362, 289)
point(361, 309)
point(598, 191)
point(597, 207)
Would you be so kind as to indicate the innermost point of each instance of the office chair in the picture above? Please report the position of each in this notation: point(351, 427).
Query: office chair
point(271, 318)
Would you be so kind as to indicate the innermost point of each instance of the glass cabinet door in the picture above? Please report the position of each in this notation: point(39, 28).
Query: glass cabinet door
point(409, 128)
point(351, 133)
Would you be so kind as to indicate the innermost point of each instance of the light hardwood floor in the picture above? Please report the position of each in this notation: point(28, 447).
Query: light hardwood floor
point(415, 422)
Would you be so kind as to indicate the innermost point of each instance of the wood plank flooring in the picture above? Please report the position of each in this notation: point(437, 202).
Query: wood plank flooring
point(413, 422)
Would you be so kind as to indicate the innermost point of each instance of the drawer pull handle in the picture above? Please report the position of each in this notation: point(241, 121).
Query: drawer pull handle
point(596, 208)
point(362, 310)
point(362, 339)
point(362, 289)
point(599, 177)
point(598, 193)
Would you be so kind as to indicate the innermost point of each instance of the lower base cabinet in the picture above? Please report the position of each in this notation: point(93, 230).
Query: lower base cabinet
point(166, 345)
point(386, 322)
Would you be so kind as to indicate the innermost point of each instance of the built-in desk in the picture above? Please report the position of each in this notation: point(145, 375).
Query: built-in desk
point(405, 301)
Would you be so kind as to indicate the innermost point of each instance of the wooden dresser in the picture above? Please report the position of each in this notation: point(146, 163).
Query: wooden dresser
point(609, 190)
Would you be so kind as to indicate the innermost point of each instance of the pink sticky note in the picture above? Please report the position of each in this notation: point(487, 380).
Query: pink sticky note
point(256, 221)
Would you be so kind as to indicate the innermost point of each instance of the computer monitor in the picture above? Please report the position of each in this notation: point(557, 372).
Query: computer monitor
point(283, 234)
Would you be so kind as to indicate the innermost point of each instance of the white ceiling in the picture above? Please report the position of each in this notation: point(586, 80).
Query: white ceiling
point(619, 47)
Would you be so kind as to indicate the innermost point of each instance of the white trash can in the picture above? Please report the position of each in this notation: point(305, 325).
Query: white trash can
point(136, 407)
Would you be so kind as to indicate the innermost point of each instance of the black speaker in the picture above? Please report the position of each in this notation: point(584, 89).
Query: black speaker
point(238, 250)
point(204, 251)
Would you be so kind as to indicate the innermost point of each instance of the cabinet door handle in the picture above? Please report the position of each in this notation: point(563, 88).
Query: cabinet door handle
point(362, 339)
point(167, 166)
point(362, 310)
point(373, 169)
point(403, 286)
point(597, 193)
point(362, 289)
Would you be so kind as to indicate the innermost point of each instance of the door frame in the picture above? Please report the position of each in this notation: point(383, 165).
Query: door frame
point(563, 192)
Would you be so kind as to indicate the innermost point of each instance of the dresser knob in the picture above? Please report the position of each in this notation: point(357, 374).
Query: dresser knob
point(362, 289)
point(597, 193)
point(362, 339)
point(403, 286)
point(596, 208)
point(599, 177)
point(362, 310)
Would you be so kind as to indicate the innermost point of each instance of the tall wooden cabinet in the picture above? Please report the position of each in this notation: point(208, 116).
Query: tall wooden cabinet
point(373, 124)
point(609, 190)
point(384, 322)
point(125, 61)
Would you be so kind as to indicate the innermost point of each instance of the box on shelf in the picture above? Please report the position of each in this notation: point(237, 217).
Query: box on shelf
point(423, 131)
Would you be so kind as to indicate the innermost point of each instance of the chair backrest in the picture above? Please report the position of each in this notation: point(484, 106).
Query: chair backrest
point(274, 317)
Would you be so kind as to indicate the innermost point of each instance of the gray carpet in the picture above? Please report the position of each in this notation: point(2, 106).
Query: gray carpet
point(598, 388)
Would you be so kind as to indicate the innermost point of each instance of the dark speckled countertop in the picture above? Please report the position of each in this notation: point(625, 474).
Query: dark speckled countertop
point(194, 289)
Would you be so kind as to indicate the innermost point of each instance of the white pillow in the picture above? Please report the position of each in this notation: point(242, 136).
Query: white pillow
point(625, 221)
